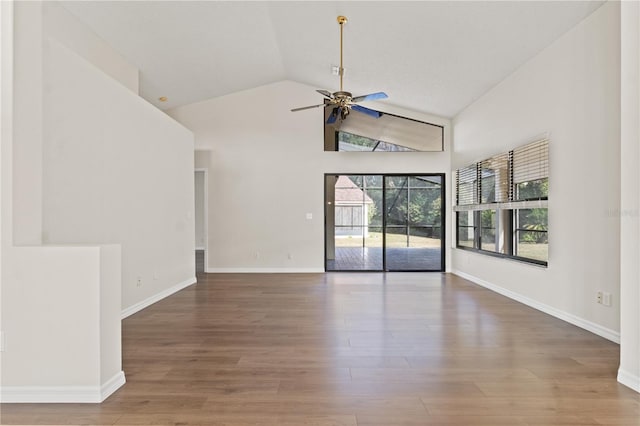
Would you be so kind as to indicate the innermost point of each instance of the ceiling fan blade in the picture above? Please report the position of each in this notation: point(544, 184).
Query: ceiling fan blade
point(307, 107)
point(370, 97)
point(326, 93)
point(333, 116)
point(371, 112)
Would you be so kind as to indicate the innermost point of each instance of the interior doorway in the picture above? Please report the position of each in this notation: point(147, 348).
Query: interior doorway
point(200, 219)
point(384, 222)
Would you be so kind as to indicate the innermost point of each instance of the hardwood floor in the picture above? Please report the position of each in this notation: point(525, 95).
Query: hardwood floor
point(352, 349)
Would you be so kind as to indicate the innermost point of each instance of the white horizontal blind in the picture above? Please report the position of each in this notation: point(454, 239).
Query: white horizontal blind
point(531, 162)
point(494, 179)
point(492, 182)
point(467, 185)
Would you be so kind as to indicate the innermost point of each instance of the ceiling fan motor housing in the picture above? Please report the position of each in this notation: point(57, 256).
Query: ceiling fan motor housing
point(343, 98)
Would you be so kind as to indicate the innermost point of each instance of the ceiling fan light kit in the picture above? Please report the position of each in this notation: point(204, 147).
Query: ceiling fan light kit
point(342, 101)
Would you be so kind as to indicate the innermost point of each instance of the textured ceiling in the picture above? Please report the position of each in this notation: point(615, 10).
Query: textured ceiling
point(434, 57)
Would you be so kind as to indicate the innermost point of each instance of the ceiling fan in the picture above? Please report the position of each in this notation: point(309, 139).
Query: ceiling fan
point(343, 102)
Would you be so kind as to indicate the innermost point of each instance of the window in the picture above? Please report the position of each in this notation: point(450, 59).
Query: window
point(501, 204)
point(466, 229)
point(494, 179)
point(531, 171)
point(488, 230)
point(531, 234)
point(351, 142)
point(382, 133)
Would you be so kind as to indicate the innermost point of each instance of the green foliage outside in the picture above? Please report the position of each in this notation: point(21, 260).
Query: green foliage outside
point(369, 144)
point(533, 219)
point(533, 190)
point(487, 219)
point(411, 202)
point(356, 140)
point(374, 239)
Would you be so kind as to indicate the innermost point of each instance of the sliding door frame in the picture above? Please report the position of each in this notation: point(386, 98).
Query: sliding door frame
point(443, 220)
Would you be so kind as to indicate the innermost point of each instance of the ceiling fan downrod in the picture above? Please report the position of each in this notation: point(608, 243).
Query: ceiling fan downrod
point(341, 20)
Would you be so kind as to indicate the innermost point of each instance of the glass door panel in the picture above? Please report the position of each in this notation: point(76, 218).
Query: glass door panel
point(354, 223)
point(413, 223)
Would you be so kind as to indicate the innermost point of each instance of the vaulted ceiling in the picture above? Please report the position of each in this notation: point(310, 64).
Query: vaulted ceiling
point(434, 57)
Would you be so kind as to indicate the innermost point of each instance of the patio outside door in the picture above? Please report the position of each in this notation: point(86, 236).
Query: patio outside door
point(384, 222)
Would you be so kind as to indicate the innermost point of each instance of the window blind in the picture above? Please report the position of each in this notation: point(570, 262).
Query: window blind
point(506, 180)
point(531, 162)
point(494, 179)
point(467, 185)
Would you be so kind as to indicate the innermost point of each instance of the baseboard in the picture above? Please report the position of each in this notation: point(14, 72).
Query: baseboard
point(156, 298)
point(629, 380)
point(112, 385)
point(265, 270)
point(594, 328)
point(61, 394)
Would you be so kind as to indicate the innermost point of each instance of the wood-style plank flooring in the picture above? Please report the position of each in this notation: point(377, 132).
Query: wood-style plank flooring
point(352, 349)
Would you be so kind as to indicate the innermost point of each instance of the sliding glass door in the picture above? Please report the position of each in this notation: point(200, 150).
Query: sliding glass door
point(413, 223)
point(384, 222)
point(354, 222)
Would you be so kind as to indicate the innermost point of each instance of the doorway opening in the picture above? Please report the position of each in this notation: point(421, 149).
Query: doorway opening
point(200, 219)
point(384, 222)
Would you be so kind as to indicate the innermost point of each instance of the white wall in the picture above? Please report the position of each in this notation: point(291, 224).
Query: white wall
point(90, 163)
point(117, 170)
point(27, 127)
point(60, 306)
point(570, 91)
point(629, 372)
point(62, 324)
point(60, 24)
point(6, 127)
point(35, 21)
point(61, 342)
point(267, 169)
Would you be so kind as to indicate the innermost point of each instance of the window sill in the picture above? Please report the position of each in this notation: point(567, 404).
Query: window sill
point(532, 262)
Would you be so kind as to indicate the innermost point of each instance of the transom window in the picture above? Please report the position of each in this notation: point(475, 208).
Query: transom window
point(383, 132)
point(351, 142)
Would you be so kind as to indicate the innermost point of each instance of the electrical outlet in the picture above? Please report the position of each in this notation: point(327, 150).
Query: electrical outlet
point(599, 297)
point(335, 70)
point(139, 282)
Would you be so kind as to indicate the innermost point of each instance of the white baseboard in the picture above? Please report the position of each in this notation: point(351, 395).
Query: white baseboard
point(112, 385)
point(61, 394)
point(156, 298)
point(629, 380)
point(601, 331)
point(264, 270)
